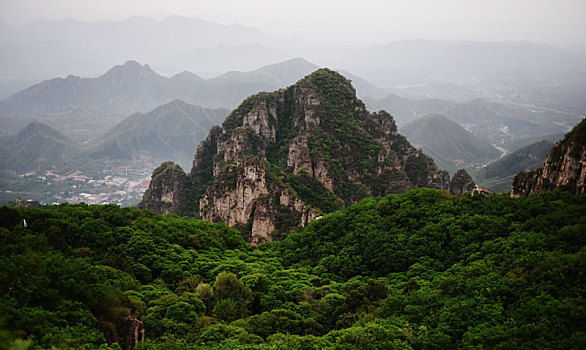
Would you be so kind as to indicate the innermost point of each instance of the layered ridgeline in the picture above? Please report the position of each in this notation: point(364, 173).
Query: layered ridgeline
point(564, 167)
point(498, 176)
point(37, 145)
point(283, 158)
point(131, 87)
point(450, 145)
point(171, 131)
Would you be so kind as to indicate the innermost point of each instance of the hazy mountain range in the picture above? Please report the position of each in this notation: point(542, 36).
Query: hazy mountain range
point(89, 106)
point(41, 162)
point(520, 72)
point(132, 87)
point(58, 47)
point(169, 132)
point(448, 143)
point(91, 112)
point(498, 176)
point(37, 146)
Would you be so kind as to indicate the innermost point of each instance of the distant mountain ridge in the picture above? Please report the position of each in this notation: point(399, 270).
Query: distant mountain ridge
point(132, 87)
point(169, 132)
point(36, 146)
point(39, 48)
point(498, 176)
point(448, 143)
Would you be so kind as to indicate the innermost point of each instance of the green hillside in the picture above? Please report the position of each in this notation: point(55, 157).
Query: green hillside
point(420, 270)
point(448, 143)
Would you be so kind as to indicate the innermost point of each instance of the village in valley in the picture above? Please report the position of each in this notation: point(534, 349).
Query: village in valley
point(123, 186)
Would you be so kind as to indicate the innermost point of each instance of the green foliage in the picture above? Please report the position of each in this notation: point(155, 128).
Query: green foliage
point(314, 193)
point(421, 270)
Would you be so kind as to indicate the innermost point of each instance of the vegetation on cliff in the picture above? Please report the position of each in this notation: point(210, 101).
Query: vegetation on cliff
point(418, 270)
point(564, 167)
point(498, 176)
point(168, 190)
point(299, 152)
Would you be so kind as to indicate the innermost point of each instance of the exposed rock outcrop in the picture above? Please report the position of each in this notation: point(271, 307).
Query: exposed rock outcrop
point(134, 332)
point(564, 167)
point(249, 195)
point(461, 183)
point(281, 159)
point(167, 193)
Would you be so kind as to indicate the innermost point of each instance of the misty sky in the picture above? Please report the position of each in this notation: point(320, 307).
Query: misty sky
point(558, 22)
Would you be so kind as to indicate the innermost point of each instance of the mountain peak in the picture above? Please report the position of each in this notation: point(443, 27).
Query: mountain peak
point(322, 75)
point(331, 85)
point(296, 62)
point(283, 158)
point(39, 128)
point(129, 69)
point(187, 75)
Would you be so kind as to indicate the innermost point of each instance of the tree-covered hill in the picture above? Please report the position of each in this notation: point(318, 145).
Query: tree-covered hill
point(420, 270)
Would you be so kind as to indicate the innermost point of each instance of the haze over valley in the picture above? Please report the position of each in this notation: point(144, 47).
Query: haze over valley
point(90, 106)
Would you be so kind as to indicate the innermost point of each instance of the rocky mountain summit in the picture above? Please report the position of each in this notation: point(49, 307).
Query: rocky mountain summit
point(564, 167)
point(167, 190)
point(461, 183)
point(282, 159)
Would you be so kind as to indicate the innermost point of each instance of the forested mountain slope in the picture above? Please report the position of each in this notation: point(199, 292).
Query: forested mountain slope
point(412, 271)
point(283, 158)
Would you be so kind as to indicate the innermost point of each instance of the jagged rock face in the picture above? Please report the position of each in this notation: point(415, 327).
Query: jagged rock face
point(461, 183)
point(247, 195)
point(282, 158)
point(319, 128)
point(564, 168)
point(167, 193)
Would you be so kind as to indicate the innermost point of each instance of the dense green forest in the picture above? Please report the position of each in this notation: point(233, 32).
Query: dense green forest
point(420, 270)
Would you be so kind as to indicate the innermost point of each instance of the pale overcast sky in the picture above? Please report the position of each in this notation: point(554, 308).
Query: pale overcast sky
point(558, 22)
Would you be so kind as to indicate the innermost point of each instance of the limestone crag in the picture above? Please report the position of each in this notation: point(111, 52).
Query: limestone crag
point(247, 195)
point(167, 191)
point(298, 157)
point(282, 158)
point(564, 167)
point(461, 183)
